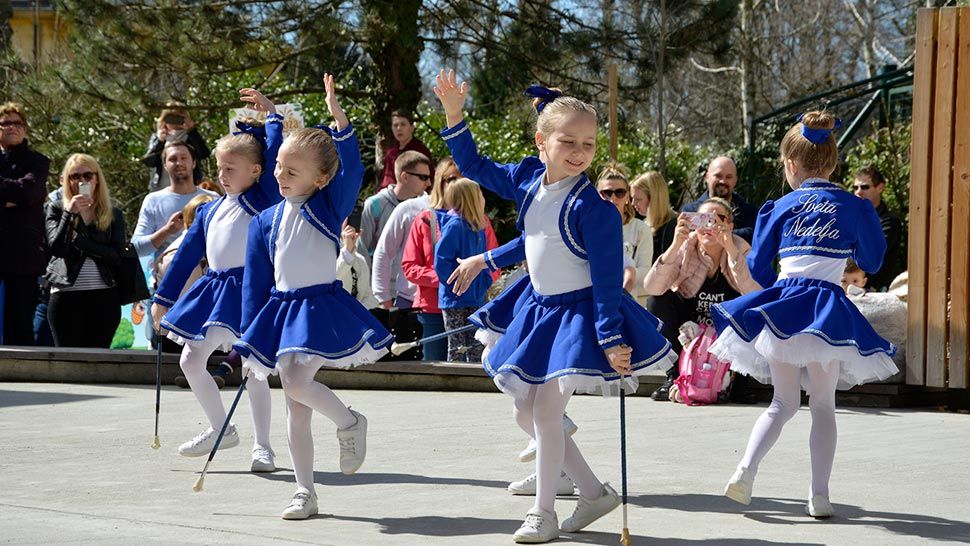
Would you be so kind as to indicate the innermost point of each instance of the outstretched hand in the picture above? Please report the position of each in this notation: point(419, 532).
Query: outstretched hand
point(451, 94)
point(332, 104)
point(466, 272)
point(257, 101)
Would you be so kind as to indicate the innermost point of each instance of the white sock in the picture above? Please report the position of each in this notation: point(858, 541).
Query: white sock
point(300, 441)
point(786, 380)
point(261, 408)
point(298, 384)
point(542, 411)
point(193, 362)
point(824, 435)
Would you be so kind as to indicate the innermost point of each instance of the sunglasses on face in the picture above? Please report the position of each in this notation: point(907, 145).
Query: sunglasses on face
point(620, 193)
point(9, 124)
point(862, 187)
point(421, 177)
point(87, 176)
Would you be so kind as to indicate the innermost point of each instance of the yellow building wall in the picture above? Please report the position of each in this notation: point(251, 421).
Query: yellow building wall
point(53, 33)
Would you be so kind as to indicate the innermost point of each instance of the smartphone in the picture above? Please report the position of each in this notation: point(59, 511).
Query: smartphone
point(174, 119)
point(354, 219)
point(84, 188)
point(701, 220)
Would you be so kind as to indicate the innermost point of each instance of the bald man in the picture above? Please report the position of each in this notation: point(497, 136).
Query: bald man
point(721, 179)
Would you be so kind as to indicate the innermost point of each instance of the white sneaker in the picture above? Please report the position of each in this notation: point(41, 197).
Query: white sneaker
point(264, 460)
point(820, 507)
point(303, 505)
point(528, 486)
point(740, 485)
point(202, 444)
point(529, 453)
point(539, 526)
point(587, 511)
point(353, 444)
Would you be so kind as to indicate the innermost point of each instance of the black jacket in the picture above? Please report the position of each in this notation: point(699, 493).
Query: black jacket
point(23, 190)
point(71, 241)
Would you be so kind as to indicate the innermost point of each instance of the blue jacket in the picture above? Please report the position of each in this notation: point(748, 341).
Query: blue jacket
point(818, 219)
point(260, 196)
point(325, 210)
point(458, 240)
point(591, 227)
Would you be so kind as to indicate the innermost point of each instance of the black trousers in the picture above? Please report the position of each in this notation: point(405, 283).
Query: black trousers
point(87, 318)
point(671, 309)
point(20, 301)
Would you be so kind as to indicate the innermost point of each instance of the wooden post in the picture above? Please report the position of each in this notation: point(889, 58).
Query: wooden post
point(922, 146)
point(937, 282)
point(959, 366)
point(614, 143)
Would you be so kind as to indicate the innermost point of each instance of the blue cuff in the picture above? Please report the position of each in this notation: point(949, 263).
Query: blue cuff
point(611, 341)
point(490, 262)
point(451, 132)
point(274, 117)
point(342, 135)
point(163, 300)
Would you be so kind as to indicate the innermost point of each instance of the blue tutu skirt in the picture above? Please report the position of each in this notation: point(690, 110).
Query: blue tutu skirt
point(320, 325)
point(212, 302)
point(801, 321)
point(554, 337)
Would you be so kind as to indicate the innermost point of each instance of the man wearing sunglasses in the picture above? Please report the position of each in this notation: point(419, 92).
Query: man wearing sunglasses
point(721, 179)
point(869, 183)
point(23, 190)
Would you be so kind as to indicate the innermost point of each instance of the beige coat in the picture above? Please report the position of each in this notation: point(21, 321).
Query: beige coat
point(686, 274)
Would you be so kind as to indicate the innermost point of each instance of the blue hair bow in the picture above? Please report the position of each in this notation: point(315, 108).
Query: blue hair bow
point(257, 132)
point(818, 136)
point(544, 94)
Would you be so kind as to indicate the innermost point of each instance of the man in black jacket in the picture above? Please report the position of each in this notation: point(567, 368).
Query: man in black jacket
point(23, 190)
point(721, 179)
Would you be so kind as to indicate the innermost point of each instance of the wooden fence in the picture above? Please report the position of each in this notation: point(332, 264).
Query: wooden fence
point(937, 350)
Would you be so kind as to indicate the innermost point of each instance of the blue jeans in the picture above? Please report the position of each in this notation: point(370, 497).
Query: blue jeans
point(432, 324)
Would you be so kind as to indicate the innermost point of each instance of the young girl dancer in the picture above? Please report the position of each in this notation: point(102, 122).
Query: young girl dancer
point(207, 317)
point(297, 316)
point(802, 330)
point(462, 235)
point(574, 323)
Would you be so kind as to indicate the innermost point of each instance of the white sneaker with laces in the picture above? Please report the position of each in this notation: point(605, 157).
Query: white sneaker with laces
point(303, 505)
point(264, 460)
point(820, 507)
point(202, 444)
point(353, 444)
point(528, 486)
point(529, 453)
point(589, 510)
point(740, 485)
point(539, 526)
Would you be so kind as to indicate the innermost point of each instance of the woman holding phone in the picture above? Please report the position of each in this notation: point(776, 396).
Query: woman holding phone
point(174, 124)
point(86, 236)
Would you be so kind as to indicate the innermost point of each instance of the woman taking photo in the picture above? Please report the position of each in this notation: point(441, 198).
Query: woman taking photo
point(86, 236)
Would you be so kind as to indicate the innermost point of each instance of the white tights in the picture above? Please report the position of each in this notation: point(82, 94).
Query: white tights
point(195, 356)
point(303, 395)
point(540, 415)
point(785, 403)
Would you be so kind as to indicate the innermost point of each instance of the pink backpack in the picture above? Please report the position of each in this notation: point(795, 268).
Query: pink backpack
point(701, 373)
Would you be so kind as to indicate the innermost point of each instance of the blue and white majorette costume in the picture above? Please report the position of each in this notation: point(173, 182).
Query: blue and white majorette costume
point(213, 305)
point(805, 317)
point(574, 306)
point(294, 308)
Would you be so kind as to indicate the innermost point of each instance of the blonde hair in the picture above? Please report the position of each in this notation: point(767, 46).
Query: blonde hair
point(465, 197)
point(318, 143)
point(437, 197)
point(407, 161)
point(616, 171)
point(724, 204)
point(14, 108)
point(659, 211)
point(816, 159)
point(242, 144)
point(553, 111)
point(103, 214)
point(188, 211)
point(213, 186)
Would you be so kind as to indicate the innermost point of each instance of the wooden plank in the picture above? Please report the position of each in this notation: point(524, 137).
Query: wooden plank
point(922, 144)
point(959, 367)
point(937, 281)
